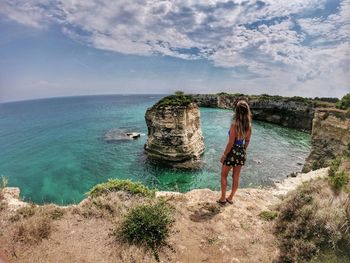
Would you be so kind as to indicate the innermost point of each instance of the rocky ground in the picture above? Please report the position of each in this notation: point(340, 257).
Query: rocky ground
point(204, 231)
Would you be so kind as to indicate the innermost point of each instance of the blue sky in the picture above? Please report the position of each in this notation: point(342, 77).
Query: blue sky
point(84, 47)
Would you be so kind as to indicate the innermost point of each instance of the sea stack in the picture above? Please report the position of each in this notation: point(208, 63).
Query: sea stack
point(174, 132)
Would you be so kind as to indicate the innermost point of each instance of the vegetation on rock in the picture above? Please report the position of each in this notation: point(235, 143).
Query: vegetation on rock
point(147, 225)
point(337, 179)
point(3, 184)
point(178, 99)
point(268, 215)
point(33, 230)
point(114, 185)
point(344, 103)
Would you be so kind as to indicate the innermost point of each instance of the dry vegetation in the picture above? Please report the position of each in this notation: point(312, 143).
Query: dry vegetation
point(122, 226)
point(314, 220)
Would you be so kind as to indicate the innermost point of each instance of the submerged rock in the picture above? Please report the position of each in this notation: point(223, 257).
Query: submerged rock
point(174, 135)
point(120, 135)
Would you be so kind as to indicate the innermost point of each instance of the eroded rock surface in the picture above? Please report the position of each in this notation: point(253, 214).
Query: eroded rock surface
point(292, 112)
point(330, 137)
point(174, 135)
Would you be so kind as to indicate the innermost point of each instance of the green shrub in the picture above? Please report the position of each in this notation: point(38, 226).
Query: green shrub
point(339, 180)
point(334, 166)
point(175, 100)
point(147, 225)
point(344, 103)
point(268, 215)
point(327, 99)
point(179, 93)
point(114, 185)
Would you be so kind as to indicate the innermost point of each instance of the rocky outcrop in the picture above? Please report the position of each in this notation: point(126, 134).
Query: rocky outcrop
point(330, 137)
point(292, 112)
point(174, 135)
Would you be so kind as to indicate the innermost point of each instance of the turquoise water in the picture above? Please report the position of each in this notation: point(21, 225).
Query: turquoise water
point(53, 149)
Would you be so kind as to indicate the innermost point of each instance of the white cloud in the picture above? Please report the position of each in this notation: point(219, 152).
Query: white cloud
point(259, 36)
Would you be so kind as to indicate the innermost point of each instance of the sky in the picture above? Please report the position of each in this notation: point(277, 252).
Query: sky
point(51, 48)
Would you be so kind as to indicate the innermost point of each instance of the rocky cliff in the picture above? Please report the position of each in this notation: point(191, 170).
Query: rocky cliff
point(330, 137)
point(174, 135)
point(292, 112)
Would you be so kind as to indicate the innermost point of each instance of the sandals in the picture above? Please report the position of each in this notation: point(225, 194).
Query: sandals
point(221, 202)
point(228, 201)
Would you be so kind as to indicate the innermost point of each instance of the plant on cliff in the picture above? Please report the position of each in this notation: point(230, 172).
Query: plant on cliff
point(179, 99)
point(344, 103)
point(3, 184)
point(337, 179)
point(147, 225)
point(268, 215)
point(114, 185)
point(313, 219)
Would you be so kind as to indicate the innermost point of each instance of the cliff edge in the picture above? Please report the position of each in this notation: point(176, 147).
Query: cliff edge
point(203, 232)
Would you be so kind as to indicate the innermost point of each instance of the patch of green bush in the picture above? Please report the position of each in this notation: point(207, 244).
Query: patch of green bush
point(147, 225)
point(334, 166)
point(312, 219)
point(179, 99)
point(114, 185)
point(268, 215)
point(344, 103)
point(339, 180)
point(327, 99)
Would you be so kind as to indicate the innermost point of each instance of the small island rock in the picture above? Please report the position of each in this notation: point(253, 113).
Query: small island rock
point(174, 133)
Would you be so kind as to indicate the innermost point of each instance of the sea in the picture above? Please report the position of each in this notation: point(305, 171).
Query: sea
point(54, 149)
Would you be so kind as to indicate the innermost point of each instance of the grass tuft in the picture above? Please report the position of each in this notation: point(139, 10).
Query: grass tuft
point(268, 215)
point(33, 230)
point(147, 225)
point(114, 185)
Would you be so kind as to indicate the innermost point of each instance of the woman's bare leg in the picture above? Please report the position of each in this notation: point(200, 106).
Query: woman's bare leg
point(224, 173)
point(236, 171)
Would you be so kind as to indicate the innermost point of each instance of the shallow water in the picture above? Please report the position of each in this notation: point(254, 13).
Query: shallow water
point(53, 149)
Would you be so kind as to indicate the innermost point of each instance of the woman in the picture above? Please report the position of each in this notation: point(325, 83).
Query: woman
point(235, 152)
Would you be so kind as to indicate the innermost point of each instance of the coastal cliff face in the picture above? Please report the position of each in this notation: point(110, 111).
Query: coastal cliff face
point(174, 135)
point(330, 137)
point(291, 112)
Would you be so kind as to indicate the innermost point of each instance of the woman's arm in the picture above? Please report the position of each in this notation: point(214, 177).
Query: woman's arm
point(231, 139)
point(247, 139)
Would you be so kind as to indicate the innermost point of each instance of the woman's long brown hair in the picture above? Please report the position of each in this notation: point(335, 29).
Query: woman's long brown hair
point(243, 118)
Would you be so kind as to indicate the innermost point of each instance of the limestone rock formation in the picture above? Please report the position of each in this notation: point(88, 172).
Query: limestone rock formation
point(292, 112)
point(330, 137)
point(174, 135)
